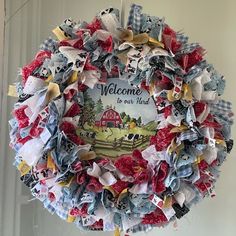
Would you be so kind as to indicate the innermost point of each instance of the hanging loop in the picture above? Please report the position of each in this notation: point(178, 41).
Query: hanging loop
point(122, 12)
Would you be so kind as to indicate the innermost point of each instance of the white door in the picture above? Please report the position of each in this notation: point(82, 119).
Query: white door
point(28, 22)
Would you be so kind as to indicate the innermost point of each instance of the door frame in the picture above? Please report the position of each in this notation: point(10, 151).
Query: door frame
point(11, 195)
point(2, 159)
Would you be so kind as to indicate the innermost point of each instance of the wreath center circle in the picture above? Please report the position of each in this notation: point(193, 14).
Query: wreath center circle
point(117, 118)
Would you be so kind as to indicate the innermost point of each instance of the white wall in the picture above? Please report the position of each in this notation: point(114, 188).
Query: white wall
point(210, 22)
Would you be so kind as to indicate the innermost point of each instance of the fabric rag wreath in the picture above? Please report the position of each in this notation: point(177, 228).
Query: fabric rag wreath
point(86, 142)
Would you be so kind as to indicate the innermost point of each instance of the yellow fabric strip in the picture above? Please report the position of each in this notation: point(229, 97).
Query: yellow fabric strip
point(49, 79)
point(73, 78)
point(187, 92)
point(117, 232)
point(179, 129)
point(68, 182)
point(24, 168)
point(109, 188)
point(53, 91)
point(70, 219)
point(50, 163)
point(12, 92)
point(221, 142)
point(167, 202)
point(59, 34)
point(155, 42)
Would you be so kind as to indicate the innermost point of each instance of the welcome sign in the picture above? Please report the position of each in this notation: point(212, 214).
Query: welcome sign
point(117, 118)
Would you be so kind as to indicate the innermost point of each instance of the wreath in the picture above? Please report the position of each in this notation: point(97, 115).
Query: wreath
point(148, 186)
